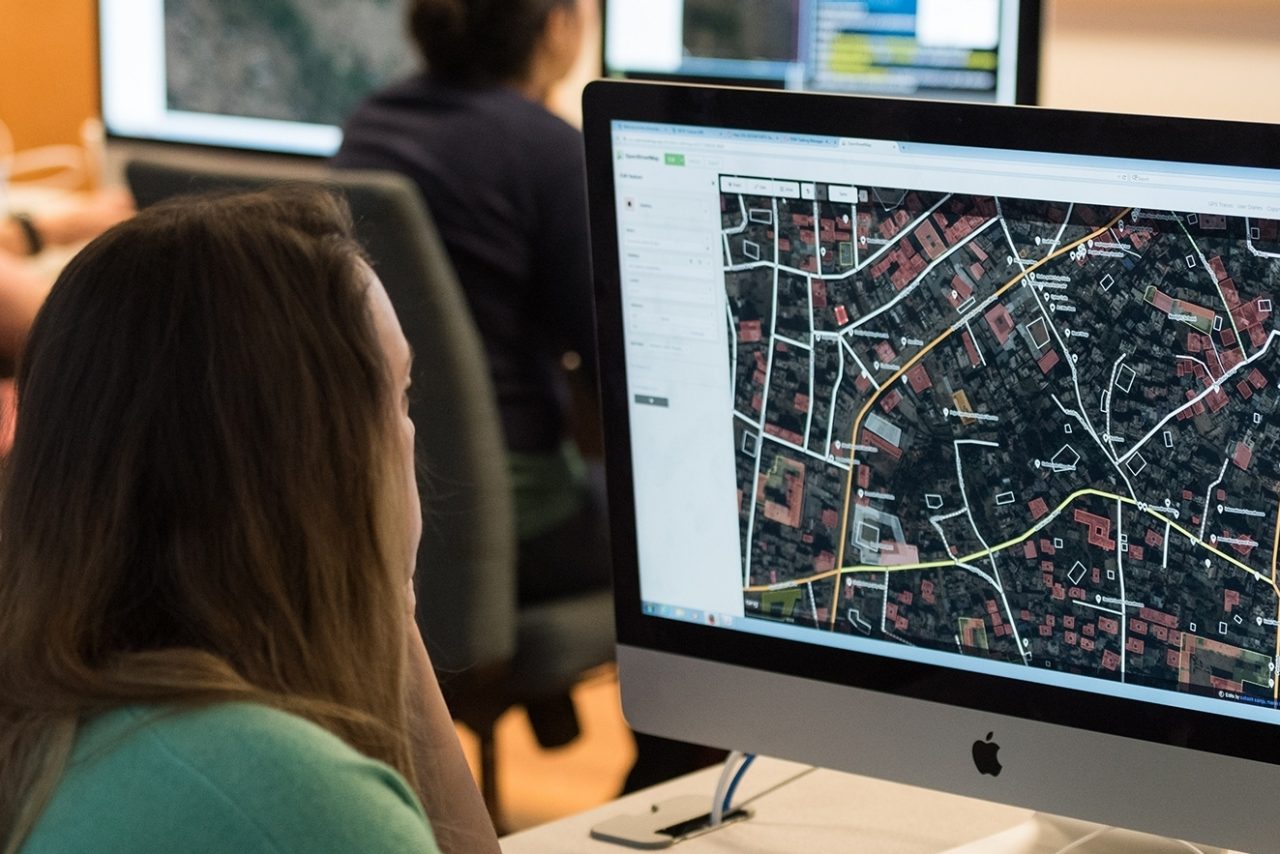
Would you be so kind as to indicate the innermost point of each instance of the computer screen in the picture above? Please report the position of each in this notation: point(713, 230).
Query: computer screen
point(928, 422)
point(973, 50)
point(266, 75)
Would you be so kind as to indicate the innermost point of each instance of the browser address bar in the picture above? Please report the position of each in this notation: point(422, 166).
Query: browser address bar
point(1046, 170)
point(870, 152)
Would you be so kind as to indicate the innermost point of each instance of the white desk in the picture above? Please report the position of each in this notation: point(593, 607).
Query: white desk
point(819, 812)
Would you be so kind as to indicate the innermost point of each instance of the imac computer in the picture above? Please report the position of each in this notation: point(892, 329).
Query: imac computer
point(935, 430)
point(263, 75)
point(971, 50)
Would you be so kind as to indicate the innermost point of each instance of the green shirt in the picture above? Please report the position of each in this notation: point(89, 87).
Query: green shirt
point(234, 777)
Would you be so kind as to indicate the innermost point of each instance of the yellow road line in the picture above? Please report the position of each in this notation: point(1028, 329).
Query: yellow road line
point(911, 363)
point(975, 556)
point(1275, 547)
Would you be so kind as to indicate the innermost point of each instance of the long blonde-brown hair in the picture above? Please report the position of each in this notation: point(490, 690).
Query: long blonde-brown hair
point(203, 501)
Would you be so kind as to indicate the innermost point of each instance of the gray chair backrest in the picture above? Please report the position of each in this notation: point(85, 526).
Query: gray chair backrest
point(466, 563)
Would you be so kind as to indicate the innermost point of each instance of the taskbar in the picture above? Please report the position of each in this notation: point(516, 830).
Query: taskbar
point(690, 615)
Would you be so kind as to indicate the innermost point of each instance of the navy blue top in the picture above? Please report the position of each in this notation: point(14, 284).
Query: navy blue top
point(504, 180)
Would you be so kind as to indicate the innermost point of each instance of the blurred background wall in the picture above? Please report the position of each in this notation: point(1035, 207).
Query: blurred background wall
point(48, 69)
point(1195, 57)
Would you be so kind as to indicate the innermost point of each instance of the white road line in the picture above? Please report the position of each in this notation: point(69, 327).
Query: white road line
point(853, 234)
point(1248, 234)
point(1082, 414)
point(861, 366)
point(799, 450)
point(1115, 370)
point(808, 421)
point(946, 516)
point(1057, 240)
point(1013, 247)
point(1208, 495)
point(978, 572)
point(791, 342)
point(817, 236)
point(813, 358)
point(906, 231)
point(946, 546)
point(1197, 361)
point(1083, 604)
point(1204, 262)
point(1124, 620)
point(751, 523)
point(835, 394)
point(991, 558)
point(974, 339)
point(733, 338)
point(915, 283)
point(764, 408)
point(742, 226)
point(1164, 559)
point(1191, 403)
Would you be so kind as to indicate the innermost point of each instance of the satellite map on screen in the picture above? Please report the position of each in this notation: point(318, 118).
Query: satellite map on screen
point(295, 60)
point(1034, 431)
point(740, 29)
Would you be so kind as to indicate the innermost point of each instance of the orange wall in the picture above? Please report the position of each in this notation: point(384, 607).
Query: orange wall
point(48, 70)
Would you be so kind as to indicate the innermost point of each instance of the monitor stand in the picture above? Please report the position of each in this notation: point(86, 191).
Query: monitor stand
point(1049, 834)
point(665, 824)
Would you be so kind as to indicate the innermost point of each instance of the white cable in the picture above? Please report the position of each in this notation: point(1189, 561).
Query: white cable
point(726, 774)
point(1100, 831)
point(1088, 837)
point(778, 785)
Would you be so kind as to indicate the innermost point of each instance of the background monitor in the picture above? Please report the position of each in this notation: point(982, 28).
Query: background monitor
point(973, 50)
point(266, 75)
point(935, 426)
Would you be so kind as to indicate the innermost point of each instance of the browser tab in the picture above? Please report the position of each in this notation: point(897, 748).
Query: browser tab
point(871, 146)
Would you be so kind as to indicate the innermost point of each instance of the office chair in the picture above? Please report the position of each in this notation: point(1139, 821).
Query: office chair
point(489, 653)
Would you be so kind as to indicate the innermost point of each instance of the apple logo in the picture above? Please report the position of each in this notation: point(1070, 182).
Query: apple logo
point(984, 756)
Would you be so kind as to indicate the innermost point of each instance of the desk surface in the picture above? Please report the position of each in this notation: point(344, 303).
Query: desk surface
point(817, 811)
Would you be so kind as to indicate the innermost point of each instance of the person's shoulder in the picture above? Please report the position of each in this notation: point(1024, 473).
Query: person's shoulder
point(230, 776)
point(503, 110)
point(403, 106)
point(312, 786)
point(414, 87)
point(256, 734)
point(536, 120)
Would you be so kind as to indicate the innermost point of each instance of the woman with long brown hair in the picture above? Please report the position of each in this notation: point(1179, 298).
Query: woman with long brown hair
point(207, 536)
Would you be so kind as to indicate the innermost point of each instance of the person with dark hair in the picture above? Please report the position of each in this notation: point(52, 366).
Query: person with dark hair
point(208, 526)
point(504, 181)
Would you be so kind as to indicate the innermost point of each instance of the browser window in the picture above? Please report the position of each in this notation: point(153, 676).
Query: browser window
point(1006, 411)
